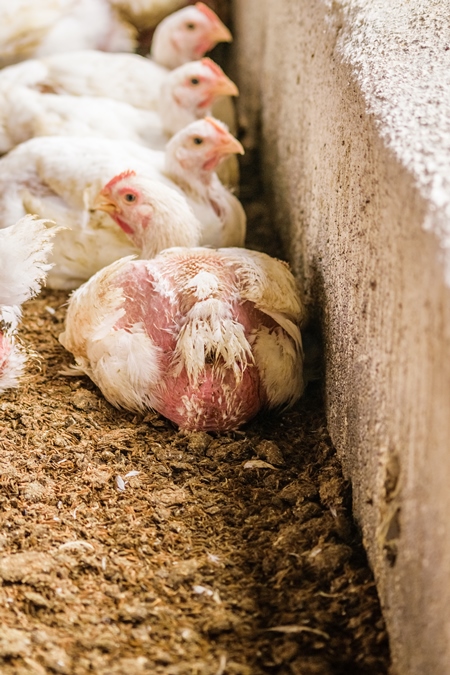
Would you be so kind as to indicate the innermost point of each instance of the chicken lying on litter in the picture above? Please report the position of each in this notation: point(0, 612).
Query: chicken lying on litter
point(186, 95)
point(59, 177)
point(24, 250)
point(205, 337)
point(146, 13)
point(31, 28)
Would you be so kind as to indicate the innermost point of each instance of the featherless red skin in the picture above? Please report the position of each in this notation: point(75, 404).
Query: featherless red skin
point(5, 352)
point(217, 401)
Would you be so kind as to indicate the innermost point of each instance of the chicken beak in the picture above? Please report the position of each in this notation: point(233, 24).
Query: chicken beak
point(220, 33)
point(230, 146)
point(104, 203)
point(224, 87)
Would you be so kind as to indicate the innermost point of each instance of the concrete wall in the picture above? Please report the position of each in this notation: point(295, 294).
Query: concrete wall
point(353, 99)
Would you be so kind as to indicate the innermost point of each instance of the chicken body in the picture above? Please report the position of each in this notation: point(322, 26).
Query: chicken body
point(26, 113)
point(59, 178)
point(24, 250)
point(32, 29)
point(125, 77)
point(24, 23)
point(205, 337)
point(147, 13)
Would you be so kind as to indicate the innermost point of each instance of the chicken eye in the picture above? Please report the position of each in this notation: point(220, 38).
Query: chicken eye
point(198, 141)
point(130, 197)
point(190, 26)
point(195, 80)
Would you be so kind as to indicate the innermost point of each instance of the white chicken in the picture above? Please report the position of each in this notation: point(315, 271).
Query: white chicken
point(59, 177)
point(29, 28)
point(24, 250)
point(205, 337)
point(186, 95)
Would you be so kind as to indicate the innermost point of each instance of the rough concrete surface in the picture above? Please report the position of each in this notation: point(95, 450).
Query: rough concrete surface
point(353, 99)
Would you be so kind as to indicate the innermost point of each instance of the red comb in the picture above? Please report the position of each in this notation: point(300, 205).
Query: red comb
point(118, 178)
point(217, 125)
point(208, 12)
point(212, 65)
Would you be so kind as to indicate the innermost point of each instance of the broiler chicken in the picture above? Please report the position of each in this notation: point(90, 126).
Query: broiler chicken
point(53, 177)
point(31, 29)
point(186, 95)
point(205, 337)
point(91, 239)
point(24, 250)
point(59, 177)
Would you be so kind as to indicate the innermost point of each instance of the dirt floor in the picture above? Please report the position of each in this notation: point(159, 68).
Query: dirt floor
point(128, 547)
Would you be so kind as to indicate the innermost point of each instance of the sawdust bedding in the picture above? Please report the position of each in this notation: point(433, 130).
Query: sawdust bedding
point(128, 547)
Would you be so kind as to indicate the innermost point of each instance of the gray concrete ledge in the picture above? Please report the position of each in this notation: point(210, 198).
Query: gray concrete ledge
point(353, 101)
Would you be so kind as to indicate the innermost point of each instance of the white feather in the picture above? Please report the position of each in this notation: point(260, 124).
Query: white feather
point(24, 250)
point(125, 77)
point(12, 363)
point(277, 358)
point(125, 366)
point(147, 13)
point(29, 28)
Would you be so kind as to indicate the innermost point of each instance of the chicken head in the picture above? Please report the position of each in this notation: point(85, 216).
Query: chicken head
point(153, 215)
point(190, 91)
point(187, 35)
point(201, 146)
